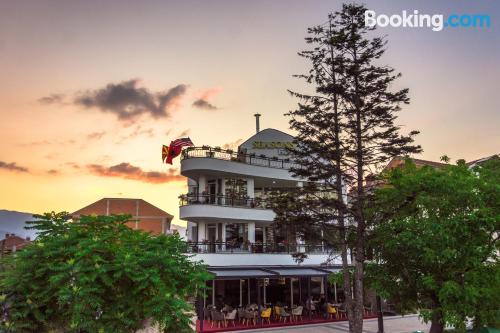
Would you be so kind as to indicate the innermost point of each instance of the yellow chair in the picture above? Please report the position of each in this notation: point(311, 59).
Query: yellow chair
point(332, 311)
point(266, 315)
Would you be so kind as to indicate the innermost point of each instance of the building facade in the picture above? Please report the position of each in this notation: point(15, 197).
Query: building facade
point(230, 225)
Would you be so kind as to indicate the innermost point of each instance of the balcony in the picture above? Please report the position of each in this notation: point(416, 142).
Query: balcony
point(222, 208)
point(221, 200)
point(258, 247)
point(196, 161)
point(230, 155)
point(260, 254)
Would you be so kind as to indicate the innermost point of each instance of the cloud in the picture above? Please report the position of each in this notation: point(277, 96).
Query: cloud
point(203, 97)
point(203, 104)
point(52, 99)
point(53, 172)
point(127, 100)
point(95, 135)
point(12, 167)
point(129, 171)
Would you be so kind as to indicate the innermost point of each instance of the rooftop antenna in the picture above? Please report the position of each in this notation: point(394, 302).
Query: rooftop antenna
point(257, 122)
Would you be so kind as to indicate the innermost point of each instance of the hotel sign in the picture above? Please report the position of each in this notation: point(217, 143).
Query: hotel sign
point(272, 144)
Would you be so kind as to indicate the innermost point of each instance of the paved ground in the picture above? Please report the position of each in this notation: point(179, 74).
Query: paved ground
point(404, 324)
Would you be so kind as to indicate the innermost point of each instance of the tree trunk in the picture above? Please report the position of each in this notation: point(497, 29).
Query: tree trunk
point(359, 215)
point(437, 322)
point(437, 325)
point(340, 194)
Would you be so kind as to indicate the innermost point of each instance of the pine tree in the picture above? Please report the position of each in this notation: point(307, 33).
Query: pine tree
point(345, 131)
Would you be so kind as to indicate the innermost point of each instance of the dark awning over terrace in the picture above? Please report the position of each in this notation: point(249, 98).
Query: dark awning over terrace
point(242, 272)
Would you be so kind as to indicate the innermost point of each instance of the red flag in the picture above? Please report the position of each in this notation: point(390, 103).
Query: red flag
point(175, 148)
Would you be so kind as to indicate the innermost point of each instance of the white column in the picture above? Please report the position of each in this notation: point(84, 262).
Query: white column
point(322, 287)
point(201, 236)
point(251, 232)
point(223, 190)
point(202, 184)
point(250, 190)
point(223, 236)
point(335, 291)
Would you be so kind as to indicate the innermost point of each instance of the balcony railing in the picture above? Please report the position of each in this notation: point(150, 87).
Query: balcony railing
point(230, 155)
point(221, 200)
point(245, 247)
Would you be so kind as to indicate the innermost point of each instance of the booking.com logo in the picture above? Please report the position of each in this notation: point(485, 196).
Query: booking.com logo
point(436, 22)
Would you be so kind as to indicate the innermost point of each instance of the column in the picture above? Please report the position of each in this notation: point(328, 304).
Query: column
point(291, 293)
point(309, 299)
point(202, 184)
point(223, 191)
point(251, 232)
point(223, 236)
point(213, 292)
point(201, 236)
point(250, 191)
point(258, 302)
point(241, 292)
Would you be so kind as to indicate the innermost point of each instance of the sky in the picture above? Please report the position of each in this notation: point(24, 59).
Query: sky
point(90, 90)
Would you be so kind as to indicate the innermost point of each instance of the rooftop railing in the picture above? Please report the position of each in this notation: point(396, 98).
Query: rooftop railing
point(230, 155)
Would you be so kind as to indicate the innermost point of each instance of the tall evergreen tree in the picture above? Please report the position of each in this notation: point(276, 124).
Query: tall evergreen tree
point(345, 131)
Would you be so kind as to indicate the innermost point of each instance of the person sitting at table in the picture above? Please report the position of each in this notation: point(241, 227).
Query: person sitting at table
point(322, 304)
point(310, 305)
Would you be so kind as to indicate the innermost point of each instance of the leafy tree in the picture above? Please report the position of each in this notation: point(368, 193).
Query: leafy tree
point(95, 274)
point(345, 130)
point(437, 242)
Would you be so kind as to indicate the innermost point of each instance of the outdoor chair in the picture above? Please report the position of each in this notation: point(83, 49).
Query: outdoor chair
point(231, 317)
point(266, 315)
point(241, 314)
point(297, 313)
point(331, 311)
point(217, 318)
point(249, 316)
point(284, 315)
point(277, 311)
point(342, 311)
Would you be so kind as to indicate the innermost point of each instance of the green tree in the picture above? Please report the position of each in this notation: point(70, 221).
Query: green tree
point(437, 242)
point(346, 129)
point(95, 274)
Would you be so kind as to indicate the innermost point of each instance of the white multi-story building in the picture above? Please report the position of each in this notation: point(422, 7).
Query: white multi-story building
point(230, 224)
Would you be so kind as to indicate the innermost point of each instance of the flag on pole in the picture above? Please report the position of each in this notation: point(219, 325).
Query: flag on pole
point(175, 148)
point(164, 153)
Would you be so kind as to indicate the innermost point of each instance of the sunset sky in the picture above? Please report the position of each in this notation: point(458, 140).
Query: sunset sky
point(90, 90)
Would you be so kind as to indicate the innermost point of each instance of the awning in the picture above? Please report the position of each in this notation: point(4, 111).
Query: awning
point(232, 273)
point(331, 270)
point(241, 273)
point(298, 272)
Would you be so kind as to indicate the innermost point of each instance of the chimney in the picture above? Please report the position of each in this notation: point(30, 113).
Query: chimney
point(7, 235)
point(257, 122)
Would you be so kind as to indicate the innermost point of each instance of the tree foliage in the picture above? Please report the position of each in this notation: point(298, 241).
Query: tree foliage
point(346, 129)
point(437, 242)
point(95, 274)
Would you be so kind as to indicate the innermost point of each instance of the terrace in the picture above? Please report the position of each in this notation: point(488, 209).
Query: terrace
point(240, 157)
